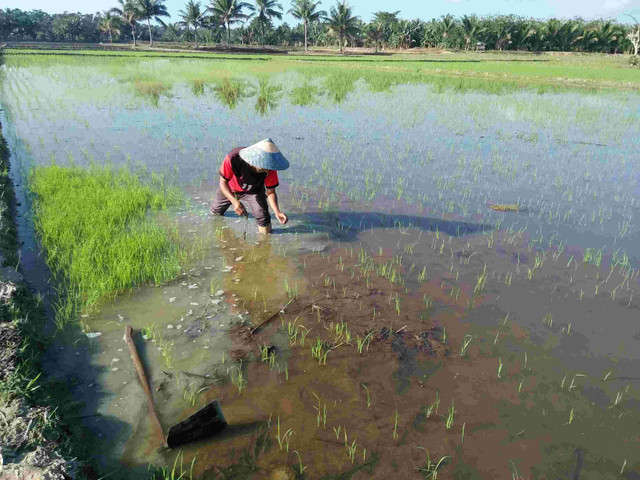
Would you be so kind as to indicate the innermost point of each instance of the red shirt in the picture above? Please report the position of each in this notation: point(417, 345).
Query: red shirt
point(242, 178)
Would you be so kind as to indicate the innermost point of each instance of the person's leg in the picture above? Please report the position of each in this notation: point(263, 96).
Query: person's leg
point(260, 209)
point(220, 203)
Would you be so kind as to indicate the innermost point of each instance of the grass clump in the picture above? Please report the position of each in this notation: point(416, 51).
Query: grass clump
point(95, 227)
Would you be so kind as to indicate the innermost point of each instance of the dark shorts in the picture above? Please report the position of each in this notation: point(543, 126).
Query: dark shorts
point(257, 203)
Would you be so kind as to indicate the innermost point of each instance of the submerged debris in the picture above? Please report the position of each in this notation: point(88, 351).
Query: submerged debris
point(505, 208)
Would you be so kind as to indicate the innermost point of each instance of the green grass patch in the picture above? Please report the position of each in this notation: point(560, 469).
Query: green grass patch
point(8, 244)
point(97, 229)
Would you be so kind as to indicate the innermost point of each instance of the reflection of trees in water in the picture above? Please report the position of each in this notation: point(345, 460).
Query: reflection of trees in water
point(151, 90)
point(230, 92)
point(268, 95)
point(339, 85)
point(197, 86)
point(305, 94)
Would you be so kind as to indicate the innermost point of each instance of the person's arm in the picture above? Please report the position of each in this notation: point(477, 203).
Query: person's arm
point(235, 203)
point(272, 198)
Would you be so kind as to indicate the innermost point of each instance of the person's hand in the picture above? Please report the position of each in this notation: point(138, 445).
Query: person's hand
point(239, 209)
point(282, 218)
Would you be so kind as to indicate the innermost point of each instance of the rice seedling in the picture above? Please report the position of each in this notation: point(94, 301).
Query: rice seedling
point(165, 473)
point(482, 279)
point(351, 451)
point(430, 469)
point(548, 320)
point(434, 406)
point(514, 472)
point(362, 342)
point(521, 384)
point(368, 395)
point(319, 351)
point(422, 277)
point(395, 426)
point(322, 412)
point(190, 394)
point(465, 344)
point(283, 439)
point(462, 434)
point(166, 349)
point(593, 256)
point(577, 375)
point(238, 379)
point(428, 300)
point(340, 332)
point(301, 468)
point(291, 290)
point(450, 416)
point(500, 365)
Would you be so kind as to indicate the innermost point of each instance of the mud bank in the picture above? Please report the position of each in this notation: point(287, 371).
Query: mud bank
point(34, 443)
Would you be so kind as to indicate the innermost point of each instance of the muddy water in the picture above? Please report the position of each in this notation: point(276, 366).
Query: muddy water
point(535, 400)
point(532, 396)
point(547, 385)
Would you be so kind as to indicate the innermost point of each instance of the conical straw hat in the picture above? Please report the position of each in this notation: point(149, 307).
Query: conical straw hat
point(265, 155)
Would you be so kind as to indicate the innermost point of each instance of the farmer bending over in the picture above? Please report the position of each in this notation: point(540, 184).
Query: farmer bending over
point(249, 174)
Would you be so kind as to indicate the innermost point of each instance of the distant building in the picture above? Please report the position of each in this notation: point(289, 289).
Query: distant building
point(481, 47)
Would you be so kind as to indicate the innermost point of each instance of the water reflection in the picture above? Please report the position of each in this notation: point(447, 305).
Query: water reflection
point(268, 95)
point(151, 90)
point(339, 85)
point(197, 86)
point(304, 95)
point(230, 91)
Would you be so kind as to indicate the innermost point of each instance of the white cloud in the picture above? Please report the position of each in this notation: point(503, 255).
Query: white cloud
point(611, 5)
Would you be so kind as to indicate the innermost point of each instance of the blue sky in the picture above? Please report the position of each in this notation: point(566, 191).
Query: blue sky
point(424, 9)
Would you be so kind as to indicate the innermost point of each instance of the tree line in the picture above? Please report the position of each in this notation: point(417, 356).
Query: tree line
point(239, 22)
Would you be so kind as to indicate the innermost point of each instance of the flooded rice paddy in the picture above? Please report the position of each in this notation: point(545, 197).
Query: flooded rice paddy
point(411, 329)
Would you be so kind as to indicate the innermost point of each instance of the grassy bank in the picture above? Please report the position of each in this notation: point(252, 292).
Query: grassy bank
point(31, 436)
point(96, 228)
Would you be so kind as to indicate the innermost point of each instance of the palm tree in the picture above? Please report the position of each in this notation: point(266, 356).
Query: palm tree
point(192, 15)
point(128, 14)
point(342, 22)
point(305, 10)
point(226, 12)
point(521, 34)
point(109, 24)
point(448, 24)
point(151, 9)
point(172, 32)
point(267, 10)
point(375, 33)
point(471, 28)
point(609, 36)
